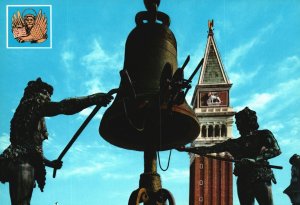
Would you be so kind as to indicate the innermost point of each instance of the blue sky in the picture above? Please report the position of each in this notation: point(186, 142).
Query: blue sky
point(259, 46)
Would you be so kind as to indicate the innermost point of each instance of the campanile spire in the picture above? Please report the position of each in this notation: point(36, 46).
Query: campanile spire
point(211, 179)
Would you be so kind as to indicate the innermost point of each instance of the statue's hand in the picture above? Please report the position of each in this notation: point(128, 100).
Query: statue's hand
point(56, 164)
point(102, 99)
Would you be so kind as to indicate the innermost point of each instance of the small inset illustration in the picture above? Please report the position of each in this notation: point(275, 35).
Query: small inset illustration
point(29, 26)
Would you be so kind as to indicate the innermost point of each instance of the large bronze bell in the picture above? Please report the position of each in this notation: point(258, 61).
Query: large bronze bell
point(145, 120)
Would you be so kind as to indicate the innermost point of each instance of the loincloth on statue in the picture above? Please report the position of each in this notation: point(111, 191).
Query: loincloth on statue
point(254, 174)
point(13, 155)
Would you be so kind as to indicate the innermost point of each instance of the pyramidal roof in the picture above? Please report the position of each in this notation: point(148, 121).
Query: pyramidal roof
point(212, 71)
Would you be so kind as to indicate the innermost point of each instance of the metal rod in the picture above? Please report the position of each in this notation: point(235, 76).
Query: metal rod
point(185, 62)
point(234, 160)
point(196, 70)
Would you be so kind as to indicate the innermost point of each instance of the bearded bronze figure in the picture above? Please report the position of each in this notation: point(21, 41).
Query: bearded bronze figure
point(23, 162)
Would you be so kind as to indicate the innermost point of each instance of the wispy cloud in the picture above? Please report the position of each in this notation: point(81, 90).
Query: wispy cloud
point(119, 176)
point(258, 101)
point(275, 126)
point(67, 55)
point(91, 168)
point(85, 163)
point(93, 158)
point(96, 57)
point(98, 60)
point(4, 141)
point(284, 92)
point(67, 58)
point(289, 65)
point(101, 67)
point(50, 139)
point(94, 62)
point(98, 66)
point(85, 112)
point(93, 86)
point(261, 100)
point(286, 95)
point(83, 149)
point(290, 145)
point(233, 57)
point(295, 128)
point(241, 77)
point(286, 142)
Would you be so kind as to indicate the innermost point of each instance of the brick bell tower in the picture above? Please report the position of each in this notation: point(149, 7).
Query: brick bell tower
point(211, 179)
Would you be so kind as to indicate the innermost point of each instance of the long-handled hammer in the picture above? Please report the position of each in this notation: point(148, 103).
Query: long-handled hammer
point(80, 129)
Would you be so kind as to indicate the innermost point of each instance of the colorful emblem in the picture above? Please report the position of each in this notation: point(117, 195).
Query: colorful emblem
point(29, 26)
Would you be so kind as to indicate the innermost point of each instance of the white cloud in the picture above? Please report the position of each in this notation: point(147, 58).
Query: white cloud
point(98, 63)
point(86, 112)
point(85, 170)
point(290, 88)
point(286, 93)
point(4, 141)
point(85, 162)
point(289, 144)
point(50, 139)
point(67, 58)
point(232, 58)
point(93, 86)
point(235, 54)
point(82, 149)
point(261, 100)
point(98, 60)
point(241, 77)
point(258, 101)
point(67, 55)
point(294, 126)
point(289, 65)
point(118, 176)
point(96, 57)
point(275, 126)
point(286, 142)
point(86, 159)
point(94, 66)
